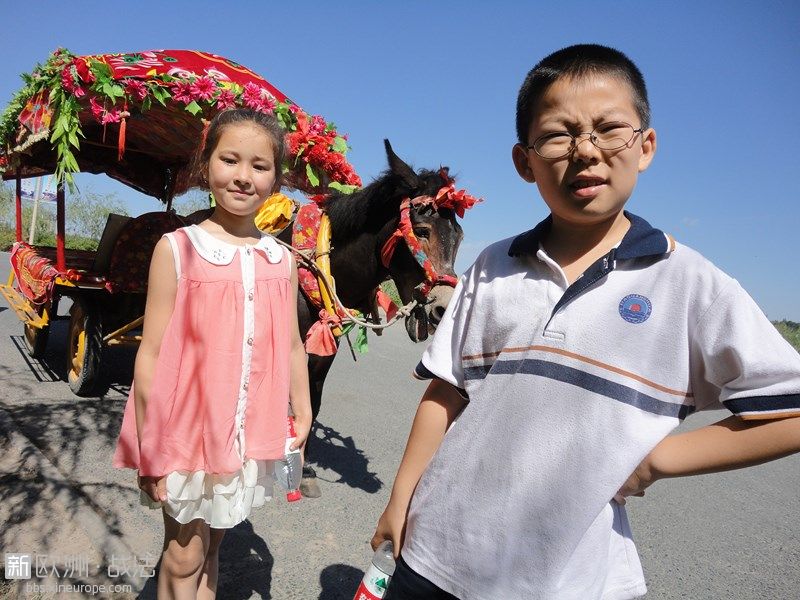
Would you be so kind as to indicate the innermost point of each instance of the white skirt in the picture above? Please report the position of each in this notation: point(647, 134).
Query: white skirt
point(223, 500)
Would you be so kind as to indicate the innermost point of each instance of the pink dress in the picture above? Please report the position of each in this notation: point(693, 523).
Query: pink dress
point(216, 414)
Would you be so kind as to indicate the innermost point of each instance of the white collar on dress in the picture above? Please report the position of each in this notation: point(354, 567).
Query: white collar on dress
point(218, 252)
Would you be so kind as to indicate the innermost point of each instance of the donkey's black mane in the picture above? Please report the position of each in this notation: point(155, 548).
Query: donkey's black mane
point(369, 208)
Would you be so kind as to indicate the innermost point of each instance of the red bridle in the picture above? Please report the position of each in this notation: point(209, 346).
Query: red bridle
point(447, 197)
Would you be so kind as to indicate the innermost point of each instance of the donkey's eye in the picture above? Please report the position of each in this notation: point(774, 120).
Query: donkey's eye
point(422, 232)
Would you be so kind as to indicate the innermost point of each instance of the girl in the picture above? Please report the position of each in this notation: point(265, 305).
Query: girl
point(220, 359)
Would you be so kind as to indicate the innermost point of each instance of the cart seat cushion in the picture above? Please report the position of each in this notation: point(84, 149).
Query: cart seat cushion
point(133, 249)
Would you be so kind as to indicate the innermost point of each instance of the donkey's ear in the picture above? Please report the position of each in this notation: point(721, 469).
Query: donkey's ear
point(399, 168)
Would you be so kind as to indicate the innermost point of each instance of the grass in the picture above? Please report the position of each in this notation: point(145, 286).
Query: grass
point(789, 330)
point(72, 242)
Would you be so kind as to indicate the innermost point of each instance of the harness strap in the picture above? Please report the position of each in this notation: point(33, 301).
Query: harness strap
point(405, 231)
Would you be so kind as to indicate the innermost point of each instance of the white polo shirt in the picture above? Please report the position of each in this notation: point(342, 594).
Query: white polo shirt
point(569, 388)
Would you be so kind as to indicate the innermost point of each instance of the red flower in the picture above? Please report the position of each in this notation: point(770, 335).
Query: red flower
point(458, 200)
point(83, 70)
point(136, 88)
point(96, 108)
point(204, 88)
point(182, 92)
point(226, 99)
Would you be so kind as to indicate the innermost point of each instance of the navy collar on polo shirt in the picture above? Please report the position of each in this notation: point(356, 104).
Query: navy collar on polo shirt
point(640, 240)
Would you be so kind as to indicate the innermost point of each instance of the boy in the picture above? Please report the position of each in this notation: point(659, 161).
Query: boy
point(565, 357)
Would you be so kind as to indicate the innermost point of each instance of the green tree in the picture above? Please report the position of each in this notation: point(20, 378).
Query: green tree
point(6, 205)
point(190, 202)
point(87, 212)
point(45, 230)
point(789, 330)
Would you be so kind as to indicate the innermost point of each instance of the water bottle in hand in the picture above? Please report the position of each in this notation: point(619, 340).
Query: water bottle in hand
point(289, 471)
point(376, 579)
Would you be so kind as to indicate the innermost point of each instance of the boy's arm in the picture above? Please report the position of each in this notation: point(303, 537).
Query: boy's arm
point(732, 443)
point(439, 406)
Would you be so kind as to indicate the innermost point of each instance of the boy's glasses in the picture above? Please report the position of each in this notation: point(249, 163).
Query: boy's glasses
point(607, 136)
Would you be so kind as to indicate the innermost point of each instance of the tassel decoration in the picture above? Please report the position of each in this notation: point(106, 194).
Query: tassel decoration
point(122, 130)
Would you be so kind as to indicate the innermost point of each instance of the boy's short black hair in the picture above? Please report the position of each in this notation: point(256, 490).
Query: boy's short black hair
point(578, 61)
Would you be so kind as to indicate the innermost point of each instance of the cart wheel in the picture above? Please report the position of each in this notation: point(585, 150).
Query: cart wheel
point(84, 347)
point(35, 339)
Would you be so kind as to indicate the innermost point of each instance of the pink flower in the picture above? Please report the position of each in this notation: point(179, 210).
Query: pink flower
point(204, 88)
point(294, 109)
point(112, 116)
point(136, 88)
point(226, 99)
point(69, 83)
point(182, 92)
point(96, 108)
point(266, 105)
point(251, 96)
point(318, 125)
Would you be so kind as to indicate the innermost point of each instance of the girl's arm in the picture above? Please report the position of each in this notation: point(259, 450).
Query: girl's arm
point(439, 406)
point(732, 443)
point(162, 287)
point(299, 396)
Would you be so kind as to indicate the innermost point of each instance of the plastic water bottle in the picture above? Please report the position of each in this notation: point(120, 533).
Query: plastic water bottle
point(376, 580)
point(289, 471)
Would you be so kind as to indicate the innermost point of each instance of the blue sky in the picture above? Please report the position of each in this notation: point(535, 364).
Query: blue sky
point(440, 79)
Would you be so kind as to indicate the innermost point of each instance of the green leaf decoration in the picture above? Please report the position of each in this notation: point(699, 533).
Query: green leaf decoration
point(340, 187)
point(312, 176)
point(361, 341)
point(339, 144)
point(194, 108)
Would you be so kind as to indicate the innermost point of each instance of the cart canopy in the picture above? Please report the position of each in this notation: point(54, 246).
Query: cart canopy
point(139, 117)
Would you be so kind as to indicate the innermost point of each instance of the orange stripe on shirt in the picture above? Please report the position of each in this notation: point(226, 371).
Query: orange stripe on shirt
point(587, 360)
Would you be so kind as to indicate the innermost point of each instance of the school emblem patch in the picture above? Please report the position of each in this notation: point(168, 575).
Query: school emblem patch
point(635, 308)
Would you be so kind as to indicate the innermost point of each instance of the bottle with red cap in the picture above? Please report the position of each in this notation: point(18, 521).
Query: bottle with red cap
point(376, 580)
point(289, 470)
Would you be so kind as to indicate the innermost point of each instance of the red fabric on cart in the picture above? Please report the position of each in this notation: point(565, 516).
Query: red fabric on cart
point(35, 274)
point(182, 64)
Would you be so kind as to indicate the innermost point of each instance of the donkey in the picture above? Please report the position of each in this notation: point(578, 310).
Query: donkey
point(361, 225)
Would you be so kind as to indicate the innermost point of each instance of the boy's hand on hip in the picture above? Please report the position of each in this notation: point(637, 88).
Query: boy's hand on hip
point(155, 487)
point(641, 478)
point(391, 526)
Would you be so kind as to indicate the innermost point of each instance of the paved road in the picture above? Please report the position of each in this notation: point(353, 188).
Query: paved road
point(731, 536)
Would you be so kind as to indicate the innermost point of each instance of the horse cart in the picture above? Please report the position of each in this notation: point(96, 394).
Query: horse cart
point(137, 118)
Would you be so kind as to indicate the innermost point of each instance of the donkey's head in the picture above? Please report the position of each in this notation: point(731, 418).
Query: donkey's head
point(426, 240)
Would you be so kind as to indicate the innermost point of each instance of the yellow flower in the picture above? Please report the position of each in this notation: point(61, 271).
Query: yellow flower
point(276, 213)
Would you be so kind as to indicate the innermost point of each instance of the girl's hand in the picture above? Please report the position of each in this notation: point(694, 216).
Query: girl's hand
point(391, 526)
point(302, 428)
point(641, 478)
point(155, 487)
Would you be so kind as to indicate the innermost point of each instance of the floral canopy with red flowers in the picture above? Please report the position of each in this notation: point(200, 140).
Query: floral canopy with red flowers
point(139, 117)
